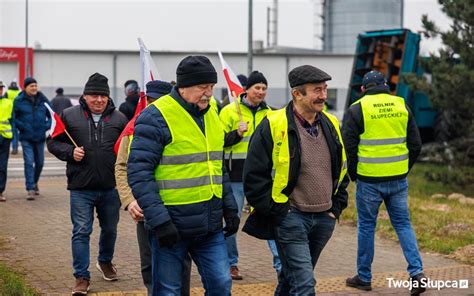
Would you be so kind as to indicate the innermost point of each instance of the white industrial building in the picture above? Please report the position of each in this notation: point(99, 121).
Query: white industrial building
point(70, 69)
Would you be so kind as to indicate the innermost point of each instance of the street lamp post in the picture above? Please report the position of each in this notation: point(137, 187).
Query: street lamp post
point(27, 62)
point(250, 41)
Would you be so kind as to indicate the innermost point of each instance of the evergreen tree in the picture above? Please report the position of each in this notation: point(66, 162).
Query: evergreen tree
point(451, 88)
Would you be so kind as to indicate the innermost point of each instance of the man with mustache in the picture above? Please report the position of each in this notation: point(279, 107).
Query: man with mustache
point(238, 132)
point(176, 172)
point(295, 178)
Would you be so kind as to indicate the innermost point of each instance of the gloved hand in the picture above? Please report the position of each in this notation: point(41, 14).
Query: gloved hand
point(167, 234)
point(231, 224)
point(279, 211)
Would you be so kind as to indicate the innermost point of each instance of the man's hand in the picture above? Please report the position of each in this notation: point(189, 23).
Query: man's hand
point(231, 225)
point(78, 153)
point(167, 235)
point(135, 211)
point(243, 127)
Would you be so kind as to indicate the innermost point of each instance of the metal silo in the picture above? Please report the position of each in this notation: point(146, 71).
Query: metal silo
point(345, 19)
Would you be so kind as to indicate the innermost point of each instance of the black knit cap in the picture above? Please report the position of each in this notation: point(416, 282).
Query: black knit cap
point(97, 85)
point(195, 70)
point(307, 74)
point(28, 81)
point(254, 78)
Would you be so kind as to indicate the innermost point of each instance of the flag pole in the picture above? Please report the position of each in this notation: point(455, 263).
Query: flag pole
point(237, 106)
point(70, 138)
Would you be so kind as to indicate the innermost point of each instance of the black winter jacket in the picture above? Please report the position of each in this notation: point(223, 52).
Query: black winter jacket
point(258, 180)
point(96, 170)
point(129, 106)
point(353, 127)
point(151, 135)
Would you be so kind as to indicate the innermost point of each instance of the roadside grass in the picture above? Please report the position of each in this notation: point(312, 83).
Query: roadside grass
point(12, 284)
point(441, 225)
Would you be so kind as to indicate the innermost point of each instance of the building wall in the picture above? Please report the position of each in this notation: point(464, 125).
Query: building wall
point(71, 69)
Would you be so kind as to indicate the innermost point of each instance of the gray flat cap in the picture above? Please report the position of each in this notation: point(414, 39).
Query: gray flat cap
point(307, 74)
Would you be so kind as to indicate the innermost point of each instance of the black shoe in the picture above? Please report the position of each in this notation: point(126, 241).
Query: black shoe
point(419, 285)
point(356, 282)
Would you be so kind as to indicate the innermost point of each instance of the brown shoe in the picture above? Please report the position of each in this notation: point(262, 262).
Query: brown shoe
point(81, 287)
point(235, 273)
point(2, 198)
point(37, 191)
point(30, 195)
point(108, 270)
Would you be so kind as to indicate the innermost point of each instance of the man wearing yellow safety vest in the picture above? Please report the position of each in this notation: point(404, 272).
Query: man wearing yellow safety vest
point(239, 125)
point(154, 90)
point(295, 178)
point(383, 143)
point(176, 172)
point(6, 108)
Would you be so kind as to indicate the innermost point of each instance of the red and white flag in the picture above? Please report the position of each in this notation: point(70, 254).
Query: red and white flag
point(234, 87)
point(148, 73)
point(57, 125)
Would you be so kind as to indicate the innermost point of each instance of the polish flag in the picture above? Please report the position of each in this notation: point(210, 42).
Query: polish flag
point(148, 73)
point(234, 87)
point(57, 125)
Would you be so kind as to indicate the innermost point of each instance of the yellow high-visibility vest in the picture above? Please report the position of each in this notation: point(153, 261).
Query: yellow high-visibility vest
point(382, 150)
point(230, 121)
point(6, 108)
point(190, 170)
point(12, 94)
point(281, 152)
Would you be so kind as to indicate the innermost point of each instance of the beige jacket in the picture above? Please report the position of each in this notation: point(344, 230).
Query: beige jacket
point(125, 193)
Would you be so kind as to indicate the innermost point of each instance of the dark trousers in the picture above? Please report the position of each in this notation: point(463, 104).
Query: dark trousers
point(4, 153)
point(300, 238)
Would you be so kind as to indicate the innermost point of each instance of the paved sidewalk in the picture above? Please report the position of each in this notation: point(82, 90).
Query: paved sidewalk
point(35, 241)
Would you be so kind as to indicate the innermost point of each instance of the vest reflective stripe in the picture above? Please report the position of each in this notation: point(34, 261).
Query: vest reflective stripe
point(281, 152)
point(6, 108)
point(383, 141)
point(188, 183)
point(190, 170)
point(230, 121)
point(245, 139)
point(382, 150)
point(383, 159)
point(190, 158)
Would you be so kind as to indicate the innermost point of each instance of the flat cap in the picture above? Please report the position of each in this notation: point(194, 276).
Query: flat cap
point(307, 74)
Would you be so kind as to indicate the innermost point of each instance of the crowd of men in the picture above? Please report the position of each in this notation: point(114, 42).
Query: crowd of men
point(183, 169)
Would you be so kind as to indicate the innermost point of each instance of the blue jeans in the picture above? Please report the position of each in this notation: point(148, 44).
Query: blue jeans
point(276, 258)
point(369, 197)
point(300, 238)
point(107, 205)
point(208, 252)
point(232, 251)
point(33, 156)
point(4, 154)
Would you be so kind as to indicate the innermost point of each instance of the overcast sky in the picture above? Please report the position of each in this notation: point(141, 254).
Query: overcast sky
point(179, 25)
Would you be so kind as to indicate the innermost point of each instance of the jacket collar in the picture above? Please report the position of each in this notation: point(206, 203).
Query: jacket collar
point(379, 89)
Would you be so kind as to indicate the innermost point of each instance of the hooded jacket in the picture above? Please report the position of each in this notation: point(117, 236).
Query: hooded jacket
point(96, 170)
point(129, 106)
